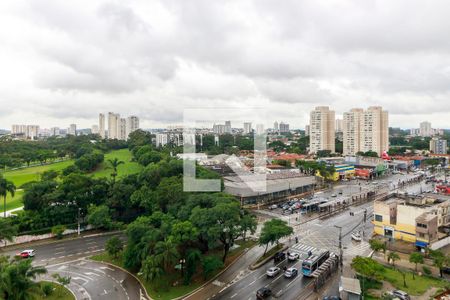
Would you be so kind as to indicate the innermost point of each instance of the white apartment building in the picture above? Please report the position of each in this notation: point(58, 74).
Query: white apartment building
point(228, 127)
point(260, 129)
point(247, 127)
point(307, 131)
point(284, 127)
point(275, 126)
point(425, 129)
point(19, 129)
point(55, 131)
point(72, 130)
point(351, 128)
point(438, 146)
point(101, 126)
point(161, 139)
point(366, 131)
point(113, 125)
point(219, 129)
point(32, 132)
point(322, 129)
point(132, 125)
point(122, 129)
point(94, 129)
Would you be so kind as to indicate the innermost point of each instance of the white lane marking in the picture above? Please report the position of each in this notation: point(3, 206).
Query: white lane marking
point(252, 282)
point(91, 273)
point(58, 253)
point(79, 278)
point(234, 295)
point(107, 268)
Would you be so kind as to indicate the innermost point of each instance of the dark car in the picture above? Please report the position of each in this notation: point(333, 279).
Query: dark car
point(331, 298)
point(279, 256)
point(263, 292)
point(446, 270)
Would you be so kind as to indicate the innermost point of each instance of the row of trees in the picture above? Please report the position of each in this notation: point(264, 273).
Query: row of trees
point(23, 153)
point(311, 167)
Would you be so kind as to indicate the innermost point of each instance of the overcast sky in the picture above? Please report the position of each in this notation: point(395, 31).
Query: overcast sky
point(63, 62)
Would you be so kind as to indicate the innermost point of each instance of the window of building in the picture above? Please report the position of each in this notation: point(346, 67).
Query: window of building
point(421, 225)
point(378, 218)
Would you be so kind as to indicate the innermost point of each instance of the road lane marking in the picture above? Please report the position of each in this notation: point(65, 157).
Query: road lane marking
point(234, 295)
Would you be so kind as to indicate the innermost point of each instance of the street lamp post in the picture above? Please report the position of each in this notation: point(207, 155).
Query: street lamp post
point(78, 219)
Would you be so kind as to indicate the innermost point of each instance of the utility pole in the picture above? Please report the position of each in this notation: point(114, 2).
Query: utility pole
point(341, 254)
point(78, 231)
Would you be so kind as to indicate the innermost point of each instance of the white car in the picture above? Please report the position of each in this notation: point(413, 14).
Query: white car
point(273, 271)
point(291, 272)
point(293, 256)
point(26, 253)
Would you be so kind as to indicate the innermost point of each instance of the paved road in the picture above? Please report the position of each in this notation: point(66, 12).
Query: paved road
point(89, 280)
point(319, 234)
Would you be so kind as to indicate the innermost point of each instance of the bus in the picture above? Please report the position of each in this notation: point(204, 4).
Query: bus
point(313, 262)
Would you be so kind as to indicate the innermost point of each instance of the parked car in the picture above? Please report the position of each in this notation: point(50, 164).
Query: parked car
point(291, 272)
point(401, 294)
point(26, 253)
point(263, 293)
point(287, 211)
point(333, 195)
point(293, 256)
point(272, 271)
point(331, 298)
point(273, 206)
point(279, 256)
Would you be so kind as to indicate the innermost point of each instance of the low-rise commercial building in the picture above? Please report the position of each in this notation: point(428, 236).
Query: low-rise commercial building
point(414, 219)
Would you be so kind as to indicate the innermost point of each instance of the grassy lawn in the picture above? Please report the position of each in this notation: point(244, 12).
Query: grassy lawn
point(12, 203)
point(416, 286)
point(19, 177)
point(59, 293)
point(125, 169)
point(161, 290)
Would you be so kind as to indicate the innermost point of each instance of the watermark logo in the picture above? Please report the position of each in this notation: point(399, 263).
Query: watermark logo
point(219, 122)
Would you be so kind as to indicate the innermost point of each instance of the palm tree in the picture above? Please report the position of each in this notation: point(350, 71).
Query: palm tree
point(114, 163)
point(416, 258)
point(393, 256)
point(17, 279)
point(7, 230)
point(166, 251)
point(6, 187)
point(151, 269)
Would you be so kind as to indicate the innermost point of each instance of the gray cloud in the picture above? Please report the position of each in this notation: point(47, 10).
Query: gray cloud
point(71, 60)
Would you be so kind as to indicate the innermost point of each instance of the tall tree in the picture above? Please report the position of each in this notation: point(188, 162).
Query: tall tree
point(167, 252)
point(393, 256)
point(6, 187)
point(7, 229)
point(416, 258)
point(151, 269)
point(17, 279)
point(273, 231)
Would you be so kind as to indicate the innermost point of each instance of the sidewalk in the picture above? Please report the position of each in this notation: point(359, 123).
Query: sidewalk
point(8, 212)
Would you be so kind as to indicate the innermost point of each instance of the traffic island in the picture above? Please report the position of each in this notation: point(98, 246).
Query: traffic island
point(268, 256)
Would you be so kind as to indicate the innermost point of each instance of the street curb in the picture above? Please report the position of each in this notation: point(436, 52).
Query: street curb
point(126, 271)
point(266, 260)
point(53, 240)
point(215, 277)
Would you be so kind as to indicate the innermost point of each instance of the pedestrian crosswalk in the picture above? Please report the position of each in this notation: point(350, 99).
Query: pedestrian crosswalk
point(302, 248)
point(357, 248)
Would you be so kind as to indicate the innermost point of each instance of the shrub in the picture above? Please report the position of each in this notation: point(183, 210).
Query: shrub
point(58, 231)
point(47, 289)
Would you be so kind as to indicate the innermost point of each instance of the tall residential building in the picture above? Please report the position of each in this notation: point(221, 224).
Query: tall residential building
point(276, 127)
point(339, 125)
point(365, 131)
point(425, 129)
point(94, 129)
point(219, 129)
point(132, 125)
point(228, 127)
point(284, 127)
point(247, 127)
point(307, 131)
point(101, 126)
point(72, 130)
point(351, 127)
point(32, 132)
point(161, 139)
point(321, 127)
point(374, 134)
point(54, 131)
point(122, 129)
point(19, 129)
point(438, 146)
point(113, 125)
